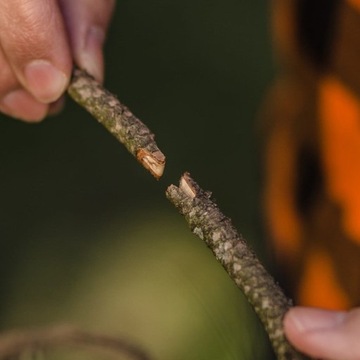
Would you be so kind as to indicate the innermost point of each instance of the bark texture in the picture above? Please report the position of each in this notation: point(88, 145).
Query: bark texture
point(119, 120)
point(202, 214)
point(230, 249)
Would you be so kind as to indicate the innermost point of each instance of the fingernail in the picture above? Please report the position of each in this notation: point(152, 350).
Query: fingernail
point(21, 105)
point(44, 81)
point(306, 319)
point(91, 56)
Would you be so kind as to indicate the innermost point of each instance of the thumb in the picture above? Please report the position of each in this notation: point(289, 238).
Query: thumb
point(332, 335)
point(34, 41)
point(87, 23)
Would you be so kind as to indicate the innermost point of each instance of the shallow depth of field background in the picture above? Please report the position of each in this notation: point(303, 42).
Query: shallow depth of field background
point(88, 237)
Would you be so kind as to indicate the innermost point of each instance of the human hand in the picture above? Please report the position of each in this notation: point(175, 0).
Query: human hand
point(39, 42)
point(331, 335)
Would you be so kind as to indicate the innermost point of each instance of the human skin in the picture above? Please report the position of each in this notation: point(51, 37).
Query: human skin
point(323, 334)
point(40, 40)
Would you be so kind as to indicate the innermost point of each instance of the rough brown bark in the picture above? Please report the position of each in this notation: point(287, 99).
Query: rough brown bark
point(119, 120)
point(202, 214)
point(230, 249)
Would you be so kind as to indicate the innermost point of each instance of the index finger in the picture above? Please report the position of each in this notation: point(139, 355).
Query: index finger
point(34, 41)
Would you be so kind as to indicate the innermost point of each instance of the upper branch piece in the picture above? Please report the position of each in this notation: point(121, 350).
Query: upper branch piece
point(118, 119)
point(230, 249)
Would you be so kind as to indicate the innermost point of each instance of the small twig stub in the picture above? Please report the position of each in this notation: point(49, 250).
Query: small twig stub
point(119, 120)
point(230, 249)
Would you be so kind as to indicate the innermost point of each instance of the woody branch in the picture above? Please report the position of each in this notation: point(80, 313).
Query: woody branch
point(202, 214)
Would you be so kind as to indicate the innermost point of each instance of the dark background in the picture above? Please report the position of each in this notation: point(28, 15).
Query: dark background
point(87, 235)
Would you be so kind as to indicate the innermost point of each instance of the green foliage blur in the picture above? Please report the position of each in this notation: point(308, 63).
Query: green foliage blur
point(88, 237)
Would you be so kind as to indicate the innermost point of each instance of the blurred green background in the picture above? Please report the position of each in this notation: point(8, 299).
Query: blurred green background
point(88, 237)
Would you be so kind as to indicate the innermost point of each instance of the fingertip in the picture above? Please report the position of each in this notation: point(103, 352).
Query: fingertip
point(87, 23)
point(315, 331)
point(44, 81)
point(288, 321)
point(303, 319)
point(90, 58)
point(38, 51)
point(19, 104)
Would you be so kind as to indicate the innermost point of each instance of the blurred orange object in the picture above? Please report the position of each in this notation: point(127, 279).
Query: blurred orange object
point(311, 128)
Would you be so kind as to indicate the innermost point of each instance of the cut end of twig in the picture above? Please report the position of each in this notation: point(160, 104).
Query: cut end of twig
point(154, 162)
point(118, 120)
point(188, 186)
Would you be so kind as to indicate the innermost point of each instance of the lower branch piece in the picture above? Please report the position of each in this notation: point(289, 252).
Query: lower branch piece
point(207, 222)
